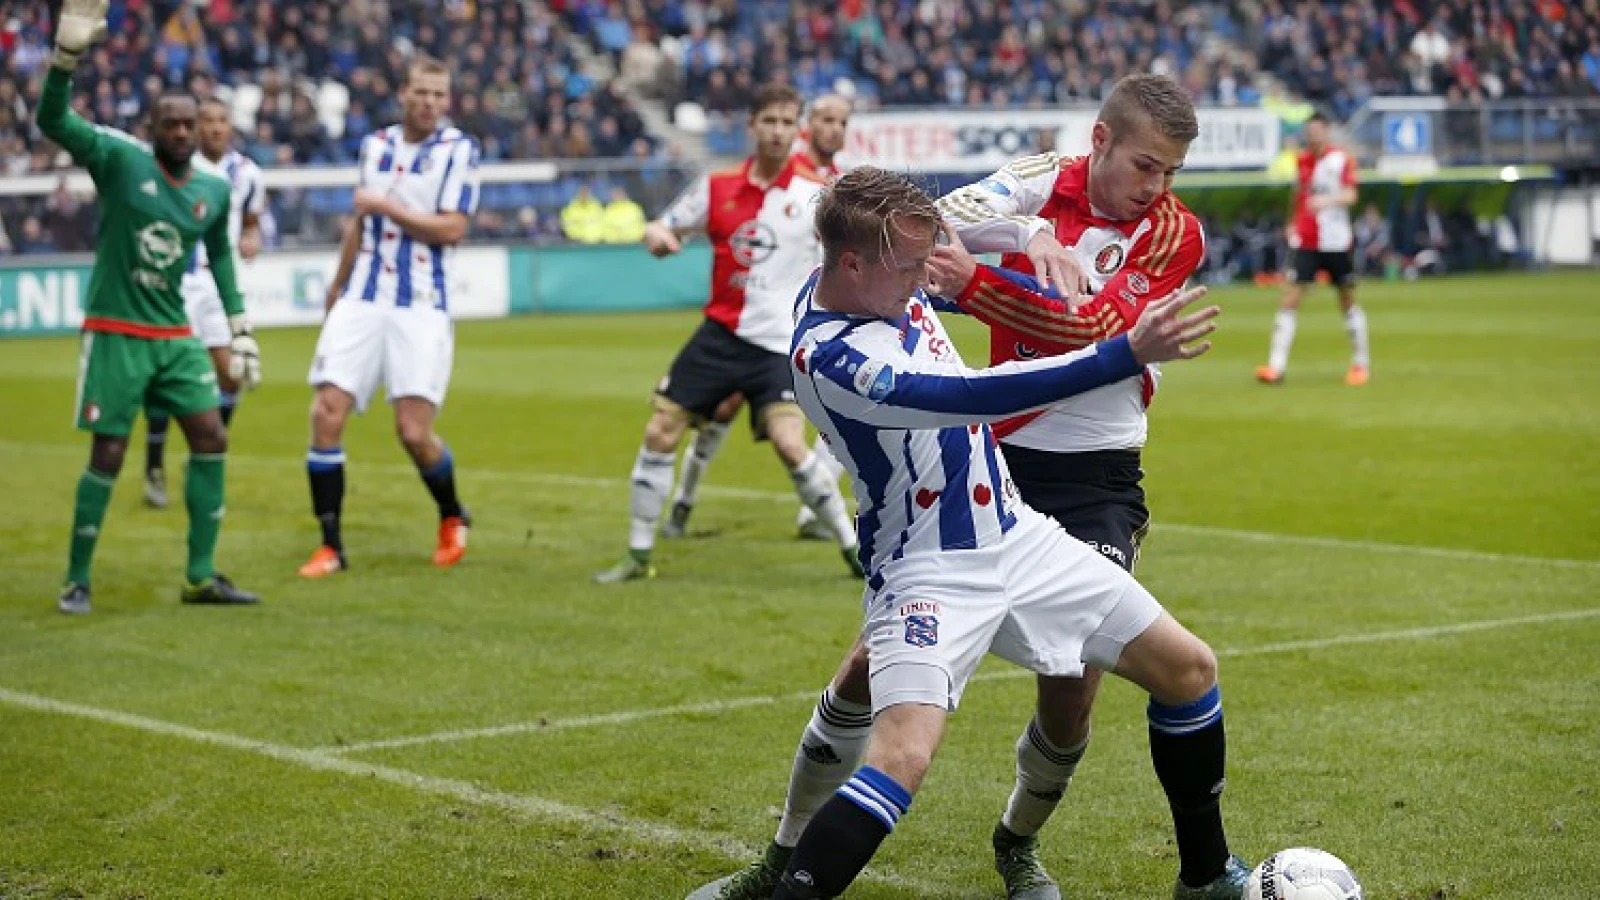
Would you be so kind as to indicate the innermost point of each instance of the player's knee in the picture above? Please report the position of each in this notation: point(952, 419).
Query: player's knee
point(107, 453)
point(665, 429)
point(1191, 673)
point(414, 434)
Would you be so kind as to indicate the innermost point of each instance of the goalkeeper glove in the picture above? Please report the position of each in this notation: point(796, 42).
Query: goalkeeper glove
point(80, 24)
point(244, 365)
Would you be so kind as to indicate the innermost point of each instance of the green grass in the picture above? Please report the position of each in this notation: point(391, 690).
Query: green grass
point(1449, 763)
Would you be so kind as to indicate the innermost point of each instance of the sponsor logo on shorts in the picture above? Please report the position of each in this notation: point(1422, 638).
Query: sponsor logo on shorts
point(1110, 551)
point(922, 631)
point(919, 608)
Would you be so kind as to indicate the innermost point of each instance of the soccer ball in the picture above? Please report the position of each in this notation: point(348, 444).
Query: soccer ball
point(1302, 873)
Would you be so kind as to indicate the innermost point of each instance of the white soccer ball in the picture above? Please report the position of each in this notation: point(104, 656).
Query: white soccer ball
point(1302, 873)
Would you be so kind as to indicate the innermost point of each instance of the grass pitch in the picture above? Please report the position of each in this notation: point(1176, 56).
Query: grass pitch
point(1401, 581)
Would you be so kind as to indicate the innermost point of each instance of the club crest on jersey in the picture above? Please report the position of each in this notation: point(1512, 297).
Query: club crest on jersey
point(922, 631)
point(200, 209)
point(1109, 259)
point(1138, 283)
point(874, 380)
point(753, 242)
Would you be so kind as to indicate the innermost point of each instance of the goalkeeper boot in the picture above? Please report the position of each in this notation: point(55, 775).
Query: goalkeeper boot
point(155, 489)
point(756, 881)
point(1227, 886)
point(1017, 860)
point(74, 599)
point(633, 567)
point(217, 591)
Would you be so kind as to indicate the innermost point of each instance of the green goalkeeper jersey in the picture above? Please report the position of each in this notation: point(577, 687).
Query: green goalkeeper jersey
point(149, 224)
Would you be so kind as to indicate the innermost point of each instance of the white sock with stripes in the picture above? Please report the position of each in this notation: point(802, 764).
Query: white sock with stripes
point(818, 488)
point(829, 751)
point(1043, 772)
point(651, 483)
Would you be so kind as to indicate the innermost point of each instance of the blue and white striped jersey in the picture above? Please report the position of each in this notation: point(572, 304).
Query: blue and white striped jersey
point(248, 195)
point(906, 417)
point(438, 175)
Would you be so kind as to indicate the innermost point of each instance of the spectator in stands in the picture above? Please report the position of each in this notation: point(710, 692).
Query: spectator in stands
point(583, 219)
point(69, 221)
point(34, 239)
point(623, 220)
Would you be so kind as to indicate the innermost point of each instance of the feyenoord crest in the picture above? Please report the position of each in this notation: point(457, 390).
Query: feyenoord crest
point(1109, 259)
point(200, 209)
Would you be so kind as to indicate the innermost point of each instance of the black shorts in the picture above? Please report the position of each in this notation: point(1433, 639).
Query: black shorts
point(1340, 266)
point(1096, 496)
point(716, 364)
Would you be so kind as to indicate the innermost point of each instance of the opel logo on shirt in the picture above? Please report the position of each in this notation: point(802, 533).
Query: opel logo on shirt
point(753, 242)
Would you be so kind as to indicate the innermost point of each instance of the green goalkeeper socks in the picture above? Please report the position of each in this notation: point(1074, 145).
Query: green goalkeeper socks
point(88, 512)
point(202, 493)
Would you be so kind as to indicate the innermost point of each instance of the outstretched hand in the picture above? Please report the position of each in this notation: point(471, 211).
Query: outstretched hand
point(1165, 332)
point(950, 267)
point(80, 25)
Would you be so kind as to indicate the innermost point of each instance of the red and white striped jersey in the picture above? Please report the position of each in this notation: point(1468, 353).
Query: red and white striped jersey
point(1326, 230)
point(763, 247)
point(1128, 264)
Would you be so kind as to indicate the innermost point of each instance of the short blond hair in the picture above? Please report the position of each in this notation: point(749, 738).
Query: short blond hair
point(423, 64)
point(856, 212)
point(1154, 99)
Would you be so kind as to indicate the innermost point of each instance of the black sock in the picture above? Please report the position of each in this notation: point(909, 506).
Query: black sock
point(229, 403)
point(843, 836)
point(155, 442)
point(441, 482)
point(326, 471)
point(1189, 751)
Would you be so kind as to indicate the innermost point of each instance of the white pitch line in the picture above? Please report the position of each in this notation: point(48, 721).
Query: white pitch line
point(528, 805)
point(469, 473)
point(543, 726)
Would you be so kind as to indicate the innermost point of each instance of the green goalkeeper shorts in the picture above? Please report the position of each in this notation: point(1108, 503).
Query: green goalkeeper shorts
point(118, 375)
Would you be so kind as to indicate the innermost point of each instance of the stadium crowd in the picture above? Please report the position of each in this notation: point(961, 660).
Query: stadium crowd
point(306, 80)
point(1338, 53)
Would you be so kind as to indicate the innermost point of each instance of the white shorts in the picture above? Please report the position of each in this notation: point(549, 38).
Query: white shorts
point(1039, 599)
point(203, 304)
point(409, 348)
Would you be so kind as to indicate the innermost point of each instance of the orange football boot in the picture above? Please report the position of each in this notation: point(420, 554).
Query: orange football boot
point(326, 561)
point(1268, 375)
point(452, 541)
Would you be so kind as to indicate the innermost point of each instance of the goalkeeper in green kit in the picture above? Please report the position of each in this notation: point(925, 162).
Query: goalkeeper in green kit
point(138, 350)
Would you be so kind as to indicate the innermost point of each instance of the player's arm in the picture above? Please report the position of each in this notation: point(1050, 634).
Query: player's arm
point(1007, 299)
point(1000, 213)
point(245, 354)
point(79, 25)
point(687, 215)
point(889, 390)
point(447, 223)
point(255, 203)
point(349, 246)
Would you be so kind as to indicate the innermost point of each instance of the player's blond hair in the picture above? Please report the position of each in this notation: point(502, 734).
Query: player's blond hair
point(1154, 99)
point(859, 210)
point(423, 64)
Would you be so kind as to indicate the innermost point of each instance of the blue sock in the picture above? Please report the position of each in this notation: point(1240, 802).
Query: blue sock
point(1188, 748)
point(441, 482)
point(229, 401)
point(843, 836)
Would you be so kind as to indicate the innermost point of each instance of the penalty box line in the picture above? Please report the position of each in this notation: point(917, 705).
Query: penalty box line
point(715, 707)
